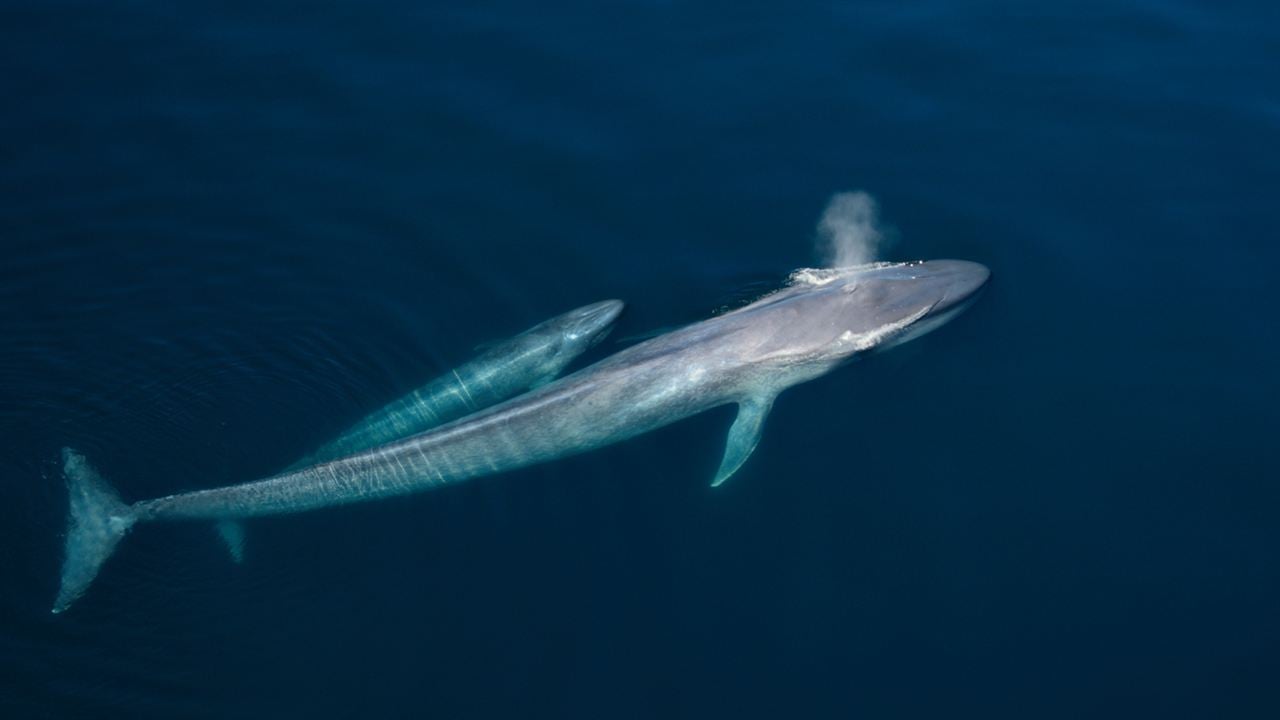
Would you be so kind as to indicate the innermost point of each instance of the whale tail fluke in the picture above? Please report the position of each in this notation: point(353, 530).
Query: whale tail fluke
point(98, 520)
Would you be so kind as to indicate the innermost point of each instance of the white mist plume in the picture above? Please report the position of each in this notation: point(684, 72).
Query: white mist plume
point(850, 232)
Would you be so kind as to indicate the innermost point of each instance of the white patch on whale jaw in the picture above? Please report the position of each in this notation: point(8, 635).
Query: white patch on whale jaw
point(849, 342)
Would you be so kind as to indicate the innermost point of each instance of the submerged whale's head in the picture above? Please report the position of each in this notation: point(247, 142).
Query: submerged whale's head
point(581, 328)
point(552, 345)
point(830, 315)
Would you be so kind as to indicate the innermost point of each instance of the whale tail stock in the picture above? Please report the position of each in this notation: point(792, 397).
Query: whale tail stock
point(97, 520)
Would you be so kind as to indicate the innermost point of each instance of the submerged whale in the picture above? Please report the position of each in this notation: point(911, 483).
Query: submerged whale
point(505, 369)
point(820, 320)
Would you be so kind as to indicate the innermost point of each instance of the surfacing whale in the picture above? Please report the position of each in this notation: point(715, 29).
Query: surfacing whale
point(822, 319)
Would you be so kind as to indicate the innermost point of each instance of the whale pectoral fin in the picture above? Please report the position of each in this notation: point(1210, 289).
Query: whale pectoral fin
point(743, 436)
point(232, 533)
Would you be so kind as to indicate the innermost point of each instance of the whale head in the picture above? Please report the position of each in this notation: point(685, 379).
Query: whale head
point(827, 316)
point(553, 344)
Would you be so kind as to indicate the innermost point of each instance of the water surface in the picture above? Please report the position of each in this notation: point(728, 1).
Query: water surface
point(231, 231)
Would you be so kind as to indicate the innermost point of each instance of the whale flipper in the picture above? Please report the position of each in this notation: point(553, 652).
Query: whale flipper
point(232, 533)
point(743, 436)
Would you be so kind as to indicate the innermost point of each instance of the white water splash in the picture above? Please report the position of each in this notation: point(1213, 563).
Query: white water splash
point(825, 275)
point(849, 232)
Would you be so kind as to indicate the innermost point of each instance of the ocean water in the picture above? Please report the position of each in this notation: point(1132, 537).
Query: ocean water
point(229, 230)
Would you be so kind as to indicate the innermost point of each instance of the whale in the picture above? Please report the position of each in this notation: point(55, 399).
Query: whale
point(502, 370)
point(818, 321)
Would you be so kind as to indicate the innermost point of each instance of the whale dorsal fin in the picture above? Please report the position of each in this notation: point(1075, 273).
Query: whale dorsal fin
point(232, 533)
point(743, 436)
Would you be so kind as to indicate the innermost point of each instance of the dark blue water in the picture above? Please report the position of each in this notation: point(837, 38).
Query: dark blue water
point(229, 230)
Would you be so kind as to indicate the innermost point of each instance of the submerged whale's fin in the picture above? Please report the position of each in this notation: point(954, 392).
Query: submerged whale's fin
point(98, 519)
point(232, 533)
point(743, 436)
